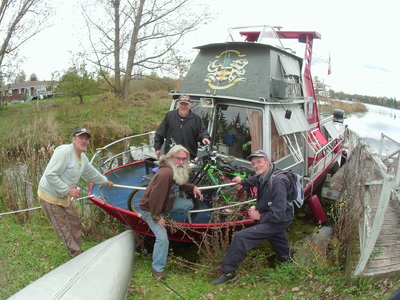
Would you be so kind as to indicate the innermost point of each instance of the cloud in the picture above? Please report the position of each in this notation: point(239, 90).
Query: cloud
point(376, 68)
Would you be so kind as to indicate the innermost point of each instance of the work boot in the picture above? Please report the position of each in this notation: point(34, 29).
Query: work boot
point(224, 278)
point(158, 275)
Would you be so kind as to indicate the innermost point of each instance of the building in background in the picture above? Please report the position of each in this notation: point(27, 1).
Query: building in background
point(27, 91)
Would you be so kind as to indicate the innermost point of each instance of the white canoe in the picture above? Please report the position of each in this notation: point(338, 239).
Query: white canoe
point(102, 272)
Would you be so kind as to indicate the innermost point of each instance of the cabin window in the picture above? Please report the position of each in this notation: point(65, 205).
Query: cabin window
point(203, 112)
point(291, 72)
point(278, 145)
point(237, 130)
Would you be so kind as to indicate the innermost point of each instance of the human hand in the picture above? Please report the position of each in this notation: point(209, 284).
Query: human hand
point(109, 184)
point(158, 153)
point(254, 214)
point(161, 222)
point(237, 179)
point(74, 192)
point(197, 193)
point(206, 141)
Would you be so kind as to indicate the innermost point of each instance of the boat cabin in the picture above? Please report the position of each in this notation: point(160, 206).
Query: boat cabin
point(252, 96)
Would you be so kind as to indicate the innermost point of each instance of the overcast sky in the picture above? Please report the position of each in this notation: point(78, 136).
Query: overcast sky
point(361, 37)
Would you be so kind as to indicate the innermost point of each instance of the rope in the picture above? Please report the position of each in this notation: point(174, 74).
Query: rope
point(170, 288)
point(18, 211)
point(37, 207)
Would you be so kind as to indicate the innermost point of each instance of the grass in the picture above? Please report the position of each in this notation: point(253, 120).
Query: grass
point(32, 249)
point(52, 121)
point(348, 107)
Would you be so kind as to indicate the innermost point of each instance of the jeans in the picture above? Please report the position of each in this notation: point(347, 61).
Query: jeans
point(179, 213)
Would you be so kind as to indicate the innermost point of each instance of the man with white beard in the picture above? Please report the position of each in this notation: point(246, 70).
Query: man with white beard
point(162, 198)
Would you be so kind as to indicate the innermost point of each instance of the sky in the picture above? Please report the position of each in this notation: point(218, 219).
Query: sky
point(358, 35)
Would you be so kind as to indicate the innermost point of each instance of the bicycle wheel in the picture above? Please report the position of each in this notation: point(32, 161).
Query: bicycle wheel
point(134, 199)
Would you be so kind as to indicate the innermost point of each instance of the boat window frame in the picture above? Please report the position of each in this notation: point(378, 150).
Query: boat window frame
point(239, 106)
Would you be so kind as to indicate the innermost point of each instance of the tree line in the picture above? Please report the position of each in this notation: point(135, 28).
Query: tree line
point(383, 101)
point(322, 89)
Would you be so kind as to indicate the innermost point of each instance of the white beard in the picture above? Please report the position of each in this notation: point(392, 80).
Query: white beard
point(181, 174)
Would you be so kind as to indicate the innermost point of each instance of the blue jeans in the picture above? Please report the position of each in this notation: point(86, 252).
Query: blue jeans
point(179, 213)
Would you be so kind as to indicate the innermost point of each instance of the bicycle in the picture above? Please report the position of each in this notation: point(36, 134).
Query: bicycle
point(210, 169)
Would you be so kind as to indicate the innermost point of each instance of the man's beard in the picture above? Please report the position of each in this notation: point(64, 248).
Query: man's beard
point(181, 174)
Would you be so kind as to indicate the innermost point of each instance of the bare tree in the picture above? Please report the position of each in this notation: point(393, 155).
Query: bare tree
point(20, 20)
point(142, 33)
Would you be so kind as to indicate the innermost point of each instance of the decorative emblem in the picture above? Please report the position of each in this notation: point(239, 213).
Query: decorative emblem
point(226, 70)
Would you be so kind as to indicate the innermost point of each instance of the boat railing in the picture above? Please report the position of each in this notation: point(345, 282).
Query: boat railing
point(118, 150)
point(209, 187)
point(219, 208)
point(389, 156)
point(325, 153)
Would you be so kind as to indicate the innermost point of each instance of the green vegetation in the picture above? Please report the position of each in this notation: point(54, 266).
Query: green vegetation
point(77, 82)
point(50, 122)
point(30, 248)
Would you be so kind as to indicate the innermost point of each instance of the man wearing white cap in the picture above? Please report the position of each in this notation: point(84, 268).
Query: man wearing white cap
point(183, 127)
point(59, 184)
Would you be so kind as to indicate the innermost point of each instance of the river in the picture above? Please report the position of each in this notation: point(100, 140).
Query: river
point(371, 124)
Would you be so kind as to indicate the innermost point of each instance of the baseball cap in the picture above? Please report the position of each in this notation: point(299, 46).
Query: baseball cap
point(80, 131)
point(257, 153)
point(184, 98)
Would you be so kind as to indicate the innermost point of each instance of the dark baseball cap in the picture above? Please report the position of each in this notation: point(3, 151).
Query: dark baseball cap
point(80, 131)
point(184, 98)
point(257, 153)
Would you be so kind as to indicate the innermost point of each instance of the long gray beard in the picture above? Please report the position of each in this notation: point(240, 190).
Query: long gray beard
point(181, 174)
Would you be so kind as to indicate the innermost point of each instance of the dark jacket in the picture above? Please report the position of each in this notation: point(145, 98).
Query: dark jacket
point(157, 197)
point(185, 131)
point(273, 203)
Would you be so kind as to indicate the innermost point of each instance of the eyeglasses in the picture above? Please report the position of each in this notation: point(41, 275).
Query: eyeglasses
point(182, 159)
point(183, 103)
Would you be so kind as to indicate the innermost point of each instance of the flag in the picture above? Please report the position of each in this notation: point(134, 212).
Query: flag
point(329, 65)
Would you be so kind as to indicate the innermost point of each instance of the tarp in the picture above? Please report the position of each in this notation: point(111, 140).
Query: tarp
point(296, 123)
point(332, 130)
point(290, 66)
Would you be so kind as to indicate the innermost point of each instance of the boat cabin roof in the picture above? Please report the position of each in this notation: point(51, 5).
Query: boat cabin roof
point(248, 71)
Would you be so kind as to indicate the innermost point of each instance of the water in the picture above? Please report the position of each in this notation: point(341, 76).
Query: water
point(376, 120)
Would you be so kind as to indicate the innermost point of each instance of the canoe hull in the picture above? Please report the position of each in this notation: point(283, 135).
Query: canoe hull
point(79, 277)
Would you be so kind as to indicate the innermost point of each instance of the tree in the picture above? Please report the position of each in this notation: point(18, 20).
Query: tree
point(143, 33)
point(20, 20)
point(77, 82)
point(20, 77)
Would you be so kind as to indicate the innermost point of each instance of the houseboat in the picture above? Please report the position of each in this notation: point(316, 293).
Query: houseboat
point(252, 92)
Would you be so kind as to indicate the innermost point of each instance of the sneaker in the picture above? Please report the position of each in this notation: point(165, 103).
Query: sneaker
point(158, 275)
point(224, 278)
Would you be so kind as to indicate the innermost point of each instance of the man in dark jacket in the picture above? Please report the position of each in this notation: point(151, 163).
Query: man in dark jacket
point(273, 213)
point(184, 127)
point(162, 198)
